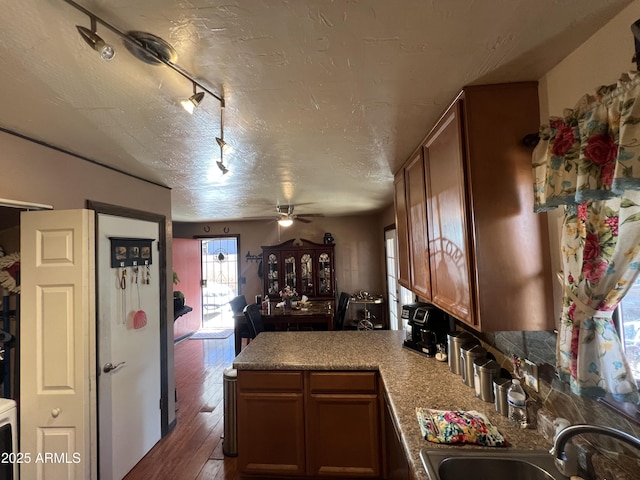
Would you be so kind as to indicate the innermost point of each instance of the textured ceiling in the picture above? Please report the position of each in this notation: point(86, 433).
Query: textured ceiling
point(324, 99)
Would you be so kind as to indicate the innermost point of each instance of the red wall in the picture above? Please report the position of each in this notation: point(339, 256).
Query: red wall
point(187, 264)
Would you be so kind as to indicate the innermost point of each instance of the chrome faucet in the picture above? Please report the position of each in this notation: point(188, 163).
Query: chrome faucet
point(559, 443)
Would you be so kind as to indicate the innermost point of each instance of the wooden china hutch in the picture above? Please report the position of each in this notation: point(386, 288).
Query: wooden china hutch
point(305, 266)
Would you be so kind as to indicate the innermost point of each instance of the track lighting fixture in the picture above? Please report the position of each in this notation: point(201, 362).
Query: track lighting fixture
point(156, 49)
point(153, 50)
point(193, 101)
point(95, 41)
point(285, 222)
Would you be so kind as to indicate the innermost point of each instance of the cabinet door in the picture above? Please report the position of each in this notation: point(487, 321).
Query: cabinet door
point(271, 423)
point(307, 283)
point(343, 433)
point(417, 226)
point(272, 274)
point(402, 230)
point(289, 267)
point(343, 436)
point(447, 212)
point(325, 274)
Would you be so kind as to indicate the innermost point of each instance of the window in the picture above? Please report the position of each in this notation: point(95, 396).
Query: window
point(629, 327)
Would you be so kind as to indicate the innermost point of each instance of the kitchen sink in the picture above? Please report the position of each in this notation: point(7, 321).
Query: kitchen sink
point(455, 464)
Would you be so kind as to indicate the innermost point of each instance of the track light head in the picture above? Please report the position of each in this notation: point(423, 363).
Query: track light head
point(224, 146)
point(222, 168)
point(192, 102)
point(95, 41)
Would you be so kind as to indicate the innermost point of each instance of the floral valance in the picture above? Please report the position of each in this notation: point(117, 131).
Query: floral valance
point(592, 152)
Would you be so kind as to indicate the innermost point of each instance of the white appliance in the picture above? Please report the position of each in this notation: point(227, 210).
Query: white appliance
point(8, 439)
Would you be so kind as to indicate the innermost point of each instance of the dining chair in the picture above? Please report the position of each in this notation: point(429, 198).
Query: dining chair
point(254, 319)
point(237, 305)
point(341, 311)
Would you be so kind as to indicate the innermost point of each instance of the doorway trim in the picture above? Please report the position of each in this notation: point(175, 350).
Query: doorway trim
point(161, 220)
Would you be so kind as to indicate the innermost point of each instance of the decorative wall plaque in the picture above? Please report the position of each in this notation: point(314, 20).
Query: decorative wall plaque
point(128, 252)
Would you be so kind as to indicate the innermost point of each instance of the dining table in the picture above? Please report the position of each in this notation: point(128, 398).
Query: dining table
point(315, 315)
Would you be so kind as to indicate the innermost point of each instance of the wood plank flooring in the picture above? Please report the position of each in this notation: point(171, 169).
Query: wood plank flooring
point(193, 450)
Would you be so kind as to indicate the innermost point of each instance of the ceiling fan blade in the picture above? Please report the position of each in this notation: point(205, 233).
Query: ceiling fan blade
point(310, 215)
point(302, 219)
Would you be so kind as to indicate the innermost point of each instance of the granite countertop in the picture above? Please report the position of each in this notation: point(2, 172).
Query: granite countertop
point(409, 379)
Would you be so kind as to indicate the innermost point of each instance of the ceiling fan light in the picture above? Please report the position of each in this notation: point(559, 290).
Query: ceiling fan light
point(95, 41)
point(285, 222)
point(192, 102)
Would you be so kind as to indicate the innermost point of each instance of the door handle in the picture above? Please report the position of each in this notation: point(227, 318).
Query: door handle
point(110, 366)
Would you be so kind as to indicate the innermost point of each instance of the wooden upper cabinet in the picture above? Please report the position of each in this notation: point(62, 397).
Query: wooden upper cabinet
point(489, 253)
point(448, 228)
point(512, 260)
point(417, 226)
point(402, 231)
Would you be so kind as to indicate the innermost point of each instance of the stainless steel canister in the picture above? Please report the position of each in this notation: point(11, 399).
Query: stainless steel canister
point(500, 387)
point(455, 341)
point(469, 353)
point(484, 371)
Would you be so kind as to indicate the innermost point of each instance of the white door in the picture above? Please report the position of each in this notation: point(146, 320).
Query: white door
point(129, 395)
point(57, 338)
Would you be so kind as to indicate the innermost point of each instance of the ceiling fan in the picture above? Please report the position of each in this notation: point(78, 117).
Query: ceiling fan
point(287, 216)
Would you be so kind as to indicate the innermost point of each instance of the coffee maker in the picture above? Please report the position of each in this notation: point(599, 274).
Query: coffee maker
point(427, 327)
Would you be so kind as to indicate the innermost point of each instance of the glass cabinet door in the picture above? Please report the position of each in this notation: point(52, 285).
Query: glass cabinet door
point(305, 266)
point(306, 275)
point(324, 274)
point(273, 285)
point(290, 270)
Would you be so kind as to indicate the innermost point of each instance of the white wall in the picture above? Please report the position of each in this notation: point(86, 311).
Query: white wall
point(599, 61)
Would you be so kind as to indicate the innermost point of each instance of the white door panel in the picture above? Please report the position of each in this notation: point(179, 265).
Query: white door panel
point(129, 396)
point(57, 354)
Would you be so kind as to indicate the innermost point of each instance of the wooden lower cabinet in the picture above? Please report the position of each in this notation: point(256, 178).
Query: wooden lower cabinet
point(309, 424)
point(343, 425)
point(270, 409)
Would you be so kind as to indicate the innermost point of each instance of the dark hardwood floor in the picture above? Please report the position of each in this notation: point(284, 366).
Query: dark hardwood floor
point(193, 450)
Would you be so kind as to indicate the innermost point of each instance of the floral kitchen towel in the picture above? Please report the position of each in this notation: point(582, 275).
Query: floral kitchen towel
point(446, 426)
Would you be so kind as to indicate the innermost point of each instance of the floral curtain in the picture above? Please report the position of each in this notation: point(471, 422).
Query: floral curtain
point(589, 162)
point(601, 260)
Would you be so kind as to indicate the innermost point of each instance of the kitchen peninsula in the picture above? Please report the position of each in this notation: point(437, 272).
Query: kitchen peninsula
point(310, 378)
